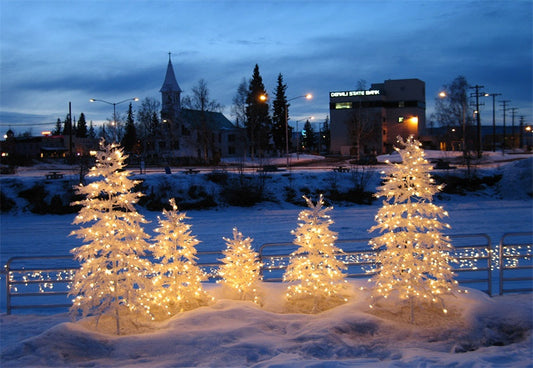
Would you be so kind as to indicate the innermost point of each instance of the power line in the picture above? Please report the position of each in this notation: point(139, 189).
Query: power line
point(25, 125)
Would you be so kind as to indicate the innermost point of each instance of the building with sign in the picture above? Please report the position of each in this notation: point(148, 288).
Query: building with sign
point(367, 122)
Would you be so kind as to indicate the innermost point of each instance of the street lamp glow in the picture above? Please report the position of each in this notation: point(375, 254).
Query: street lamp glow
point(442, 94)
point(114, 123)
point(307, 96)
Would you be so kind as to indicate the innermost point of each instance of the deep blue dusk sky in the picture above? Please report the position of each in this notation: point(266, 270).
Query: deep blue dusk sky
point(59, 51)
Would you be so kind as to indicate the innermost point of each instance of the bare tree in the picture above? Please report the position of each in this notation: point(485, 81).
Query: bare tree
point(148, 122)
point(200, 101)
point(362, 126)
point(239, 103)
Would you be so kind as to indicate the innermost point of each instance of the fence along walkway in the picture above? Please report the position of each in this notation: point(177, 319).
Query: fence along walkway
point(49, 277)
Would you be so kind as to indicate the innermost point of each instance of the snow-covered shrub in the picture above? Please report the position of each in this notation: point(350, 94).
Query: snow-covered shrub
point(243, 191)
point(6, 203)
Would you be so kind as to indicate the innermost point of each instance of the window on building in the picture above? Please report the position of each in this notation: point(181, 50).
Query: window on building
point(343, 105)
point(401, 119)
point(176, 145)
point(231, 150)
point(231, 137)
point(401, 103)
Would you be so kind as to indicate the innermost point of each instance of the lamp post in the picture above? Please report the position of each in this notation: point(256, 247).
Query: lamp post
point(463, 105)
point(493, 118)
point(114, 109)
point(308, 97)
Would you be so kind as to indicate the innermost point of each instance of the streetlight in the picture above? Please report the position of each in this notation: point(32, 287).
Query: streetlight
point(308, 97)
point(463, 103)
point(114, 109)
point(493, 118)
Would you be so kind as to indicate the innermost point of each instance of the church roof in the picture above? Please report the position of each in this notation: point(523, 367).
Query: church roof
point(170, 84)
point(215, 120)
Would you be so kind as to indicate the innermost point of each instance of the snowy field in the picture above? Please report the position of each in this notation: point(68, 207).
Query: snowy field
point(479, 332)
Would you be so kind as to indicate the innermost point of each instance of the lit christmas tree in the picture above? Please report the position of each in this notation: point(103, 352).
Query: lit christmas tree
point(178, 282)
point(318, 282)
point(112, 276)
point(241, 271)
point(413, 258)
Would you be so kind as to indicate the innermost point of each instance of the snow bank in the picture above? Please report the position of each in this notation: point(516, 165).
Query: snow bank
point(517, 180)
point(483, 332)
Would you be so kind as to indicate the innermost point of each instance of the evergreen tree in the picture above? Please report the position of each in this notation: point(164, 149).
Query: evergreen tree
point(92, 132)
point(241, 271)
point(57, 130)
point(112, 276)
point(318, 282)
point(257, 118)
point(67, 125)
point(325, 136)
point(178, 284)
point(81, 129)
point(130, 136)
point(309, 137)
point(280, 116)
point(414, 257)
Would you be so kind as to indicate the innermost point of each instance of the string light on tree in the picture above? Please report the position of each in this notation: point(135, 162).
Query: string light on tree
point(177, 285)
point(414, 256)
point(112, 275)
point(317, 280)
point(241, 271)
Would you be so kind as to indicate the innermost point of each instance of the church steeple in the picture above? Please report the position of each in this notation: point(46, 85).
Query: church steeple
point(170, 94)
point(170, 84)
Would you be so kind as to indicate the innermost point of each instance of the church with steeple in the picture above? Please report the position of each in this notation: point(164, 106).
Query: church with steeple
point(189, 135)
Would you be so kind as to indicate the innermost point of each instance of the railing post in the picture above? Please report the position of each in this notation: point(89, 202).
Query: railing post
point(8, 288)
point(500, 264)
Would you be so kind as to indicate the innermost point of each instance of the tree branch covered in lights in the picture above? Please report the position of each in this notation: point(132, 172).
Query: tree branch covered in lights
point(317, 280)
point(177, 285)
point(112, 276)
point(414, 256)
point(241, 271)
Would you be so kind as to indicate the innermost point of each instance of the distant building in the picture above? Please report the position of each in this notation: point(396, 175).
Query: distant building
point(191, 134)
point(17, 149)
point(367, 122)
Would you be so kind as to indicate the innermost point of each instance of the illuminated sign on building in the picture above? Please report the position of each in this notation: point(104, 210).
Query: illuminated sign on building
point(371, 92)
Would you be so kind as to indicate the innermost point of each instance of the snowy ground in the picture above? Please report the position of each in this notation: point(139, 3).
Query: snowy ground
point(480, 332)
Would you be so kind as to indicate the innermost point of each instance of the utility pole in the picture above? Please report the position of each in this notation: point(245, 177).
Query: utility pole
point(70, 132)
point(493, 117)
point(504, 105)
point(513, 137)
point(478, 94)
point(521, 134)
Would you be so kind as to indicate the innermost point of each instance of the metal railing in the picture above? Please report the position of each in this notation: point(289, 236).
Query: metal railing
point(516, 262)
point(49, 278)
point(473, 254)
